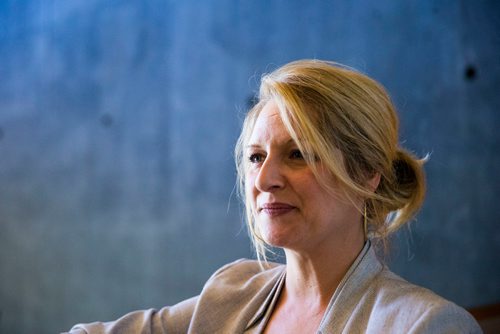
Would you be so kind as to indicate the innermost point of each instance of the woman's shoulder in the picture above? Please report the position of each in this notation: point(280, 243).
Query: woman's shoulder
point(246, 270)
point(429, 312)
point(233, 295)
point(393, 289)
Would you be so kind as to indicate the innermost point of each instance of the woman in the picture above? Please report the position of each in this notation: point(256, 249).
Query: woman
point(324, 179)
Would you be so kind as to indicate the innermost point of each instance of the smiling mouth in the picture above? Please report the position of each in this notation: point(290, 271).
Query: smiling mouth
point(276, 209)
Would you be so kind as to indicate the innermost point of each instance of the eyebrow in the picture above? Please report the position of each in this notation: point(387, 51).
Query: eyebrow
point(288, 142)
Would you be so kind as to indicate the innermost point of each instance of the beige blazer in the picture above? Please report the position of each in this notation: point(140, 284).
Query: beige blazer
point(370, 299)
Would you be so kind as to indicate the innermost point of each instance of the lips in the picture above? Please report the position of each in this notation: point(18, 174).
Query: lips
point(276, 209)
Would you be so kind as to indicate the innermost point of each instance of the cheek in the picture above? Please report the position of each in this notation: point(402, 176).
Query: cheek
point(315, 194)
point(249, 188)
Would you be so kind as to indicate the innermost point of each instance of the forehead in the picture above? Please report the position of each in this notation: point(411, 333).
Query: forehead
point(269, 125)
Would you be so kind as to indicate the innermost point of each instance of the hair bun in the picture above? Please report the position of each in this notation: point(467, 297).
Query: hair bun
point(405, 168)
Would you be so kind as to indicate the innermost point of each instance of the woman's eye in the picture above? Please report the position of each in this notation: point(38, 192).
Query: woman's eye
point(296, 154)
point(255, 158)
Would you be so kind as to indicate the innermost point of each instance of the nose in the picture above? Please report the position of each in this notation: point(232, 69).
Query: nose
point(270, 177)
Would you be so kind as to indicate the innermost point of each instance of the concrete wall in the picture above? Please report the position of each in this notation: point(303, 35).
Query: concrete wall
point(118, 120)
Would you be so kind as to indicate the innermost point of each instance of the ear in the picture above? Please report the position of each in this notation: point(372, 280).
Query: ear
point(373, 182)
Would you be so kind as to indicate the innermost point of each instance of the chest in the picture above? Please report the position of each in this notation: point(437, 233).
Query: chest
point(293, 322)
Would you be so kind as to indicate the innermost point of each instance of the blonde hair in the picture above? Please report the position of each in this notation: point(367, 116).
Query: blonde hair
point(347, 121)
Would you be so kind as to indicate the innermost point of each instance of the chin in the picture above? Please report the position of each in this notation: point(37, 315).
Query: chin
point(277, 238)
point(275, 242)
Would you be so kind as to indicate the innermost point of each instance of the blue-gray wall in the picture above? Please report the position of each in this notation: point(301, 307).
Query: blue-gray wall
point(118, 119)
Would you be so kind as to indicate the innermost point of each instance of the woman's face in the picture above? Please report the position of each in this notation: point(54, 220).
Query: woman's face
point(291, 209)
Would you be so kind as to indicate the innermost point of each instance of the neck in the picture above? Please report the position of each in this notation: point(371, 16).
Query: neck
point(312, 277)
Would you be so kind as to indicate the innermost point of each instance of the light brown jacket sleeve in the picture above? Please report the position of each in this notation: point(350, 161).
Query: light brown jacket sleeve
point(168, 320)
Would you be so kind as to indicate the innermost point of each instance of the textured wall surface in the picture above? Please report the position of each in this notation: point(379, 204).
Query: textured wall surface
point(118, 120)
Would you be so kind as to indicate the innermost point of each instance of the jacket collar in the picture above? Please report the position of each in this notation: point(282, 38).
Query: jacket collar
point(357, 279)
point(278, 285)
